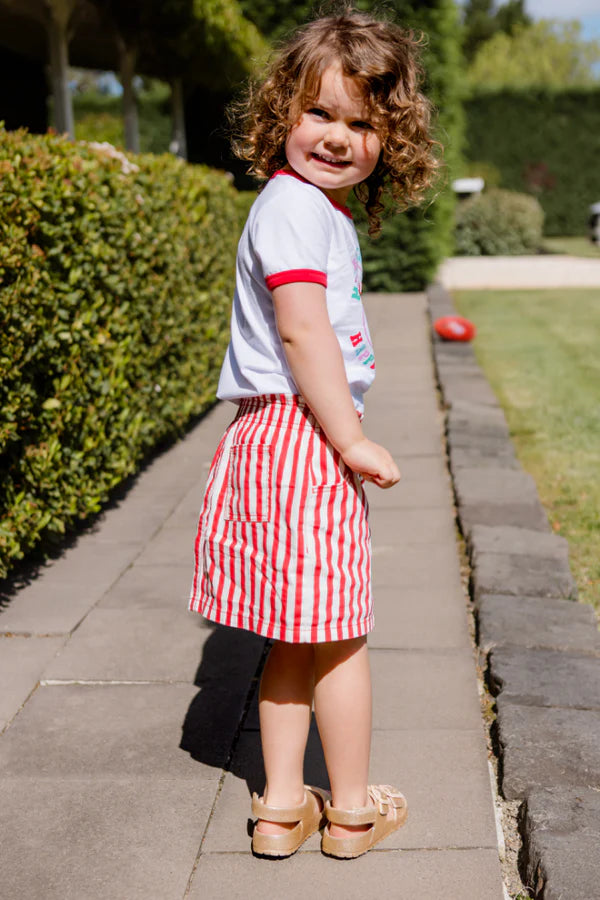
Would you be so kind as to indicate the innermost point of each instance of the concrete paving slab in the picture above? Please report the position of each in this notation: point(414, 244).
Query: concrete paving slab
point(411, 493)
point(186, 516)
point(518, 574)
point(415, 435)
point(439, 298)
point(481, 453)
point(414, 526)
point(192, 499)
point(86, 837)
point(105, 559)
point(536, 677)
point(544, 747)
point(401, 388)
point(409, 308)
point(70, 731)
point(132, 645)
point(173, 545)
point(466, 383)
point(417, 618)
point(451, 353)
point(403, 398)
point(436, 770)
point(498, 496)
point(412, 309)
point(214, 421)
point(416, 689)
point(466, 419)
point(425, 484)
point(43, 609)
point(415, 565)
point(452, 366)
point(537, 622)
point(400, 375)
point(562, 836)
point(446, 696)
point(489, 487)
point(408, 873)
point(391, 342)
point(135, 519)
point(22, 661)
point(63, 593)
point(150, 587)
point(513, 540)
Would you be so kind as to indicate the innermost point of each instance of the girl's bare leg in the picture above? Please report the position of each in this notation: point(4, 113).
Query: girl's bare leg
point(343, 709)
point(285, 703)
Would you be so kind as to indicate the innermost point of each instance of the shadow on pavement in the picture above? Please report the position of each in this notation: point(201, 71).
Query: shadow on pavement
point(221, 725)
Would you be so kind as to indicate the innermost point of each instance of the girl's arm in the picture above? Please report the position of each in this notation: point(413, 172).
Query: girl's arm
point(315, 360)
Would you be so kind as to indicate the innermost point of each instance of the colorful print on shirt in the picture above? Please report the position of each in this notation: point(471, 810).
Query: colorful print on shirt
point(361, 341)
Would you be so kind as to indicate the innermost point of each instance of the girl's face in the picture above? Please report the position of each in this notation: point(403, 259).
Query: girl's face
point(333, 144)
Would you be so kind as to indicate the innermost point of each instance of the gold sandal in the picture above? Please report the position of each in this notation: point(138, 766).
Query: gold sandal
point(309, 817)
point(384, 797)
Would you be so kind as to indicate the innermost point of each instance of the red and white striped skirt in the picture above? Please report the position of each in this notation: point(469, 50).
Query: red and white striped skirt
point(283, 545)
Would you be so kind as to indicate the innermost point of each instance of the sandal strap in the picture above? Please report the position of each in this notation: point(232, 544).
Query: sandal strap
point(281, 814)
point(364, 815)
point(384, 796)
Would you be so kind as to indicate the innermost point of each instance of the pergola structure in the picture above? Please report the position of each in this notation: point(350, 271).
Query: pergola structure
point(83, 33)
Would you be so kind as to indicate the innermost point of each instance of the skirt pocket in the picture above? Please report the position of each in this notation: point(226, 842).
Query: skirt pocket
point(328, 471)
point(249, 492)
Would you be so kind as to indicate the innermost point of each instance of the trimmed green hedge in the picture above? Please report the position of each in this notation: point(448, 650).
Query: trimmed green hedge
point(115, 287)
point(544, 142)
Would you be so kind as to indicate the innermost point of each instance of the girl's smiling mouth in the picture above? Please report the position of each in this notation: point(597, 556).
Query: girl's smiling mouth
point(331, 161)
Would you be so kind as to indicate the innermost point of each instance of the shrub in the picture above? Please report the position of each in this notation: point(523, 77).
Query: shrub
point(499, 223)
point(244, 201)
point(406, 254)
point(115, 286)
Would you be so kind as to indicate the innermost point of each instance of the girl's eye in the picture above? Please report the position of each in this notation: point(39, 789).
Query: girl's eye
point(315, 111)
point(366, 125)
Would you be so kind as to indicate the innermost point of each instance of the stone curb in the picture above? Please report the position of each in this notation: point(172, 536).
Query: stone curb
point(542, 649)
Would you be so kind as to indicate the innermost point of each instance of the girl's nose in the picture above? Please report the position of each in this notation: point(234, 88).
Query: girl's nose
point(336, 135)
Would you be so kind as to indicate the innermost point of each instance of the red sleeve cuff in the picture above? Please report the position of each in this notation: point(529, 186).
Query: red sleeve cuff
point(293, 275)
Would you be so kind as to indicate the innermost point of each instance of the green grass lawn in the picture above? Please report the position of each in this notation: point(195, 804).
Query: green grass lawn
point(541, 353)
point(573, 246)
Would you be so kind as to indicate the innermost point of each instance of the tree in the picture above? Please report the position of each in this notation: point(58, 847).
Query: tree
point(147, 24)
point(59, 22)
point(482, 21)
point(277, 17)
point(545, 54)
point(206, 42)
point(511, 15)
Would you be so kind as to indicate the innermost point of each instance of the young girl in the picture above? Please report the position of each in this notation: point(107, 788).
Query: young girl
point(283, 545)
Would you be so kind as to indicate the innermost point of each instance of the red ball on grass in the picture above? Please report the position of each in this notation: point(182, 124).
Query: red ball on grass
point(455, 328)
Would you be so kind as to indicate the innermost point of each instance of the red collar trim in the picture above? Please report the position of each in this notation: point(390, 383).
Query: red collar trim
point(334, 203)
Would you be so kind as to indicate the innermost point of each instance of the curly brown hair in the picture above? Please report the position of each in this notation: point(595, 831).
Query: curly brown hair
point(384, 61)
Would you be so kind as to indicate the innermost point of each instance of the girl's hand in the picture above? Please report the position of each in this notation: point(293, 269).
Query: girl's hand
point(373, 462)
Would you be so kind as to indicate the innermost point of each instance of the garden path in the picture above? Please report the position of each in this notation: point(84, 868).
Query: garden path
point(513, 272)
point(130, 744)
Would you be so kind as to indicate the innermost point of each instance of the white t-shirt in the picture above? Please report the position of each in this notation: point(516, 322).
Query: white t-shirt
point(294, 233)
